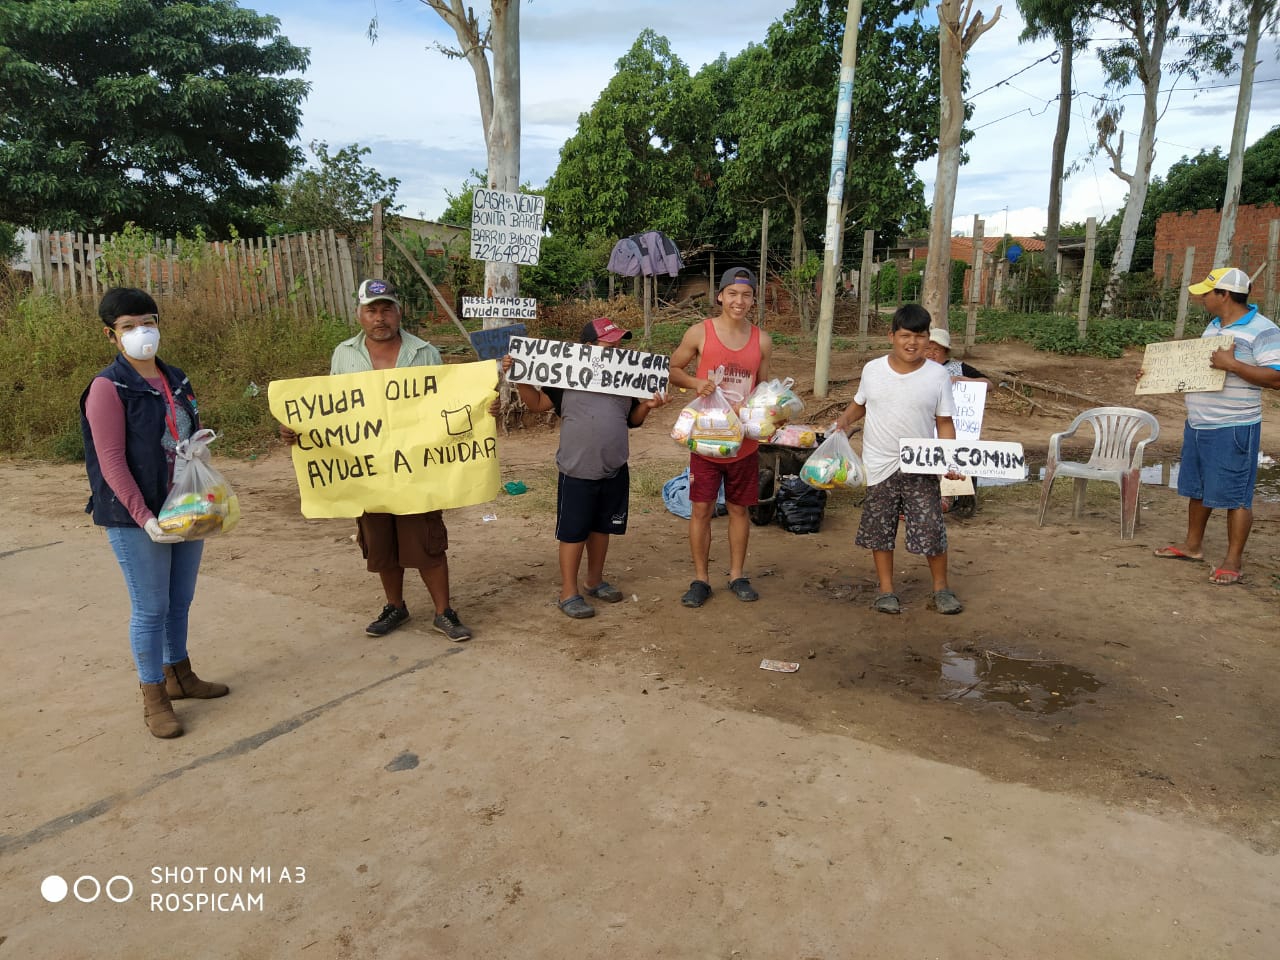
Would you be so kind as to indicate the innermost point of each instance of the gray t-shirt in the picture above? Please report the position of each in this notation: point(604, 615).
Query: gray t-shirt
point(593, 432)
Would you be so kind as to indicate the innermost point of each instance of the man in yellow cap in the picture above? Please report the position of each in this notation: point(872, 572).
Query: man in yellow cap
point(1223, 432)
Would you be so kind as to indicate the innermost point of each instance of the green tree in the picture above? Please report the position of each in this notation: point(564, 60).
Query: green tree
point(783, 100)
point(1147, 27)
point(336, 191)
point(1065, 22)
point(642, 157)
point(176, 116)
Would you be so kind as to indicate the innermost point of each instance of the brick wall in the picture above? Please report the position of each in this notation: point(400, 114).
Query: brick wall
point(1177, 231)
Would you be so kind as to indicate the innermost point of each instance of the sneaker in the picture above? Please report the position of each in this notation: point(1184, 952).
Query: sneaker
point(449, 624)
point(390, 618)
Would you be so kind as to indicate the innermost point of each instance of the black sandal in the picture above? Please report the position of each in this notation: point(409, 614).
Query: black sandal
point(698, 593)
point(742, 589)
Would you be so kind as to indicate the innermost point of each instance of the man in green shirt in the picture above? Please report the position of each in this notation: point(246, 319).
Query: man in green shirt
point(392, 543)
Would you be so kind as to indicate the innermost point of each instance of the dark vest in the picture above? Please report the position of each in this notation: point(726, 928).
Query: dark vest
point(145, 410)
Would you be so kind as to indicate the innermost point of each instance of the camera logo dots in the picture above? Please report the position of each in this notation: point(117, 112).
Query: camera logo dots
point(87, 889)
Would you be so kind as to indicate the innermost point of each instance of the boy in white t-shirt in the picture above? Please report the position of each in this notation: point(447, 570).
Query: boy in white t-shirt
point(903, 395)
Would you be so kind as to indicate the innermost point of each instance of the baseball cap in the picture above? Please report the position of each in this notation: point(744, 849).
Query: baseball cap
point(1230, 279)
point(941, 337)
point(604, 330)
point(371, 290)
point(737, 275)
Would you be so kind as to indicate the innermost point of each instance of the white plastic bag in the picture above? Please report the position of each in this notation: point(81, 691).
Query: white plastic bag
point(770, 405)
point(200, 502)
point(834, 464)
point(713, 429)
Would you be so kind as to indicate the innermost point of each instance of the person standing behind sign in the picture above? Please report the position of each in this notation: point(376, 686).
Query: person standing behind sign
point(902, 395)
point(594, 486)
point(1223, 431)
point(733, 353)
point(392, 543)
point(132, 416)
point(938, 349)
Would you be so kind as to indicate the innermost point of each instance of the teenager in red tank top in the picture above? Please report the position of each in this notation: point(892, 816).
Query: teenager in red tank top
point(734, 371)
point(737, 365)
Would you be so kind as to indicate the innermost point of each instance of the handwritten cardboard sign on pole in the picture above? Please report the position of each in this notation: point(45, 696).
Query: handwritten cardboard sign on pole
point(1182, 366)
point(971, 403)
point(973, 458)
point(405, 440)
point(584, 366)
point(500, 308)
point(506, 227)
point(492, 344)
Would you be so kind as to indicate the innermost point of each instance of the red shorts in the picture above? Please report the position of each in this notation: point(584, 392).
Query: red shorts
point(741, 479)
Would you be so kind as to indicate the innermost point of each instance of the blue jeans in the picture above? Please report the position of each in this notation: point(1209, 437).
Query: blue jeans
point(161, 578)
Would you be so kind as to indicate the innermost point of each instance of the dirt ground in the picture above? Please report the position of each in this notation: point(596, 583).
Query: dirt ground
point(1083, 763)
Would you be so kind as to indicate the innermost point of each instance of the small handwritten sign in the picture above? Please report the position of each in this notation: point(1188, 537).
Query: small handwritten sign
point(500, 308)
point(971, 403)
point(506, 227)
point(493, 344)
point(584, 366)
point(1182, 366)
point(973, 458)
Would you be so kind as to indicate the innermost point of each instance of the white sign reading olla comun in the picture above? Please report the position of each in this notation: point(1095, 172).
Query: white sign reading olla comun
point(972, 458)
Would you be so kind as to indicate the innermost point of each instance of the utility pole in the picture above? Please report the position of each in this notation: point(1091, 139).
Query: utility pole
point(835, 197)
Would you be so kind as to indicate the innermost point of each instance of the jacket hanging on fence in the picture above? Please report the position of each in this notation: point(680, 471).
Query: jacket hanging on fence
point(648, 253)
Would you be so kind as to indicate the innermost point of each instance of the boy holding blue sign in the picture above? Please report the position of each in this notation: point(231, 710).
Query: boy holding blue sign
point(594, 487)
point(903, 395)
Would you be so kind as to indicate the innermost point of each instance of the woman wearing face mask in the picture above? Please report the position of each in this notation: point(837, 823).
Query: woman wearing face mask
point(133, 415)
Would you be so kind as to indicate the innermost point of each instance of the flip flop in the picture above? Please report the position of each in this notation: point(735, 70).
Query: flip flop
point(1173, 553)
point(698, 593)
point(1223, 577)
point(887, 603)
point(577, 608)
point(605, 591)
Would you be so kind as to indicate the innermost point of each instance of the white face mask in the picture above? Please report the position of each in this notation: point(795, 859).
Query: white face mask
point(140, 343)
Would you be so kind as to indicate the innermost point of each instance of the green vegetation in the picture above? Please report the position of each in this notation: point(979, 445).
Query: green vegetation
point(1056, 333)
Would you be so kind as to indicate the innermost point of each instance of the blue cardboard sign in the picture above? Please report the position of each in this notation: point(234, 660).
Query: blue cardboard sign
point(494, 344)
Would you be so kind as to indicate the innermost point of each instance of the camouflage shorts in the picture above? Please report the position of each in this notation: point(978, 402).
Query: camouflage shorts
point(913, 496)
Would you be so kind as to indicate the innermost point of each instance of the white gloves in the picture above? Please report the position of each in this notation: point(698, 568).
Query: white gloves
point(158, 535)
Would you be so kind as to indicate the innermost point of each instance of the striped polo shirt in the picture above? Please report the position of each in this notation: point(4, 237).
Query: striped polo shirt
point(1239, 403)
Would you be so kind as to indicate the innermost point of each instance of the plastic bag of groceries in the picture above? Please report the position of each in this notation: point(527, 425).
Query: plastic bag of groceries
point(200, 503)
point(709, 427)
point(834, 464)
point(802, 435)
point(770, 405)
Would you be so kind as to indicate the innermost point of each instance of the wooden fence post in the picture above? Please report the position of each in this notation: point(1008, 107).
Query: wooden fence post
point(1086, 277)
point(1188, 264)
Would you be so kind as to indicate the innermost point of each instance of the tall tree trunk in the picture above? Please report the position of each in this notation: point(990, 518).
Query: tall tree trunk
point(1235, 162)
point(799, 289)
point(957, 32)
point(1057, 164)
point(1149, 71)
point(503, 133)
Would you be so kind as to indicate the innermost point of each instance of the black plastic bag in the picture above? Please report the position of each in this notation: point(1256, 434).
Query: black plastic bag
point(799, 506)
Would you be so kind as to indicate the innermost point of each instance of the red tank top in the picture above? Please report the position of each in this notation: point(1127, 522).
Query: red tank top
point(737, 369)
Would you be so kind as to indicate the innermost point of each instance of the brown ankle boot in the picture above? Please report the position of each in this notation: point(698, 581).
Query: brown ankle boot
point(180, 683)
point(158, 713)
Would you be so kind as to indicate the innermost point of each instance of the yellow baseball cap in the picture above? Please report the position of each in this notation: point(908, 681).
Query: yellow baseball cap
point(1230, 279)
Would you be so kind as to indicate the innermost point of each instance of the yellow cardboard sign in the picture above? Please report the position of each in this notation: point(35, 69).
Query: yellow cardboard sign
point(405, 440)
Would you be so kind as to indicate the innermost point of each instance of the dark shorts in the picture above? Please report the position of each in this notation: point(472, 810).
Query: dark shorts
point(1220, 467)
point(914, 496)
point(741, 479)
point(415, 541)
point(584, 507)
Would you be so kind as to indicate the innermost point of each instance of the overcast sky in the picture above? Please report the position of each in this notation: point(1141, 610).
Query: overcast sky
point(418, 113)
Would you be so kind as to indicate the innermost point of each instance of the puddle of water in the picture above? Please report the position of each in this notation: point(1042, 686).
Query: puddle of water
point(986, 676)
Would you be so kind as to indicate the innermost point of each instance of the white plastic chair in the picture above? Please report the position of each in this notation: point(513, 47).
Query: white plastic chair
point(1117, 458)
